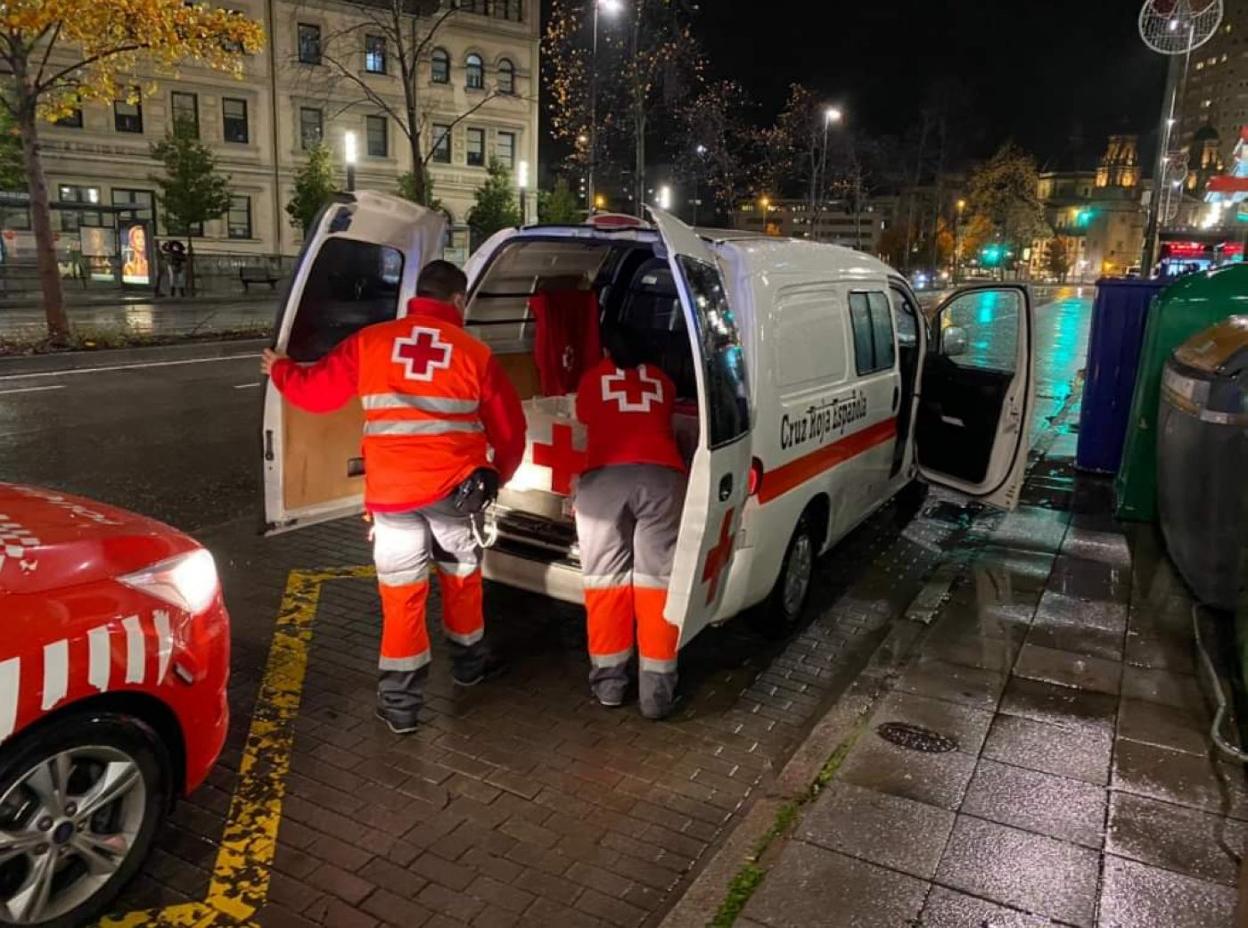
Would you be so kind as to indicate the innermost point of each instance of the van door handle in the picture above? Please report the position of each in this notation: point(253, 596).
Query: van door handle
point(725, 488)
point(896, 397)
point(268, 444)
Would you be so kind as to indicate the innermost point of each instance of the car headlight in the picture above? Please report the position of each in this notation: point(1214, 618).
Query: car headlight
point(188, 581)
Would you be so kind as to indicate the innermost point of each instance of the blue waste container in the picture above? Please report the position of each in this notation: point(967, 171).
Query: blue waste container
point(1118, 317)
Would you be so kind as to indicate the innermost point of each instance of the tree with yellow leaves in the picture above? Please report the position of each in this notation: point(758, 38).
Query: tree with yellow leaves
point(61, 54)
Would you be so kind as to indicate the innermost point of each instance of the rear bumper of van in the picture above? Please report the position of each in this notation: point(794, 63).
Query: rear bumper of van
point(558, 581)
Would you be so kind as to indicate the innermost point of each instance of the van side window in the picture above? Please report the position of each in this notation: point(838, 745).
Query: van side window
point(809, 339)
point(352, 284)
point(871, 318)
point(727, 399)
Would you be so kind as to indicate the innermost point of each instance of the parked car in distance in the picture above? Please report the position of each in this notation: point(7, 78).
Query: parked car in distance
point(113, 671)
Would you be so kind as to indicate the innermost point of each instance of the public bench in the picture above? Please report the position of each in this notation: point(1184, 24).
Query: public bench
point(257, 275)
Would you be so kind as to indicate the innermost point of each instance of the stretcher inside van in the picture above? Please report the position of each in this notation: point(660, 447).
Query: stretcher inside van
point(811, 389)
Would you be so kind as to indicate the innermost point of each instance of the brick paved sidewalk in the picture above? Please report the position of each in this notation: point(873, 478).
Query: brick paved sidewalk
point(1079, 790)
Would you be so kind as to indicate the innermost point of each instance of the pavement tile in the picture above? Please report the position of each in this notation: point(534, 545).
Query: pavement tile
point(1138, 896)
point(972, 650)
point(1164, 726)
point(1179, 690)
point(1104, 547)
point(1031, 528)
point(1177, 838)
point(888, 830)
point(1182, 779)
point(1094, 627)
point(1069, 810)
point(1072, 749)
point(1091, 580)
point(964, 724)
point(1066, 669)
point(1016, 868)
point(1058, 705)
point(936, 779)
point(809, 885)
point(948, 908)
point(970, 686)
point(1169, 652)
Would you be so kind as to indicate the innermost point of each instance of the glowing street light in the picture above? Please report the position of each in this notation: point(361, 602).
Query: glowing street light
point(832, 115)
point(664, 198)
point(610, 8)
point(350, 155)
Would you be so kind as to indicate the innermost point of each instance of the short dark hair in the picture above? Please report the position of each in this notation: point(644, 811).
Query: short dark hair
point(441, 280)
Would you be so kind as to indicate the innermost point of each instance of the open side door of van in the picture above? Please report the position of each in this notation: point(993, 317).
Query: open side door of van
point(358, 266)
point(719, 473)
point(978, 390)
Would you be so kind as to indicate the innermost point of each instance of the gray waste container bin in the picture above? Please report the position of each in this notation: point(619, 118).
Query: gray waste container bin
point(1202, 458)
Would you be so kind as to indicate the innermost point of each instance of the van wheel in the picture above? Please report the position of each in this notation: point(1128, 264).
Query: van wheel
point(781, 612)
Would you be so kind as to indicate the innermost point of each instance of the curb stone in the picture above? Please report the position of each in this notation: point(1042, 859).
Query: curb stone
point(107, 357)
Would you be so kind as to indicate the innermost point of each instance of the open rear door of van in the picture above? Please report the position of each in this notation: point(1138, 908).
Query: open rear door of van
point(719, 473)
point(978, 391)
point(358, 266)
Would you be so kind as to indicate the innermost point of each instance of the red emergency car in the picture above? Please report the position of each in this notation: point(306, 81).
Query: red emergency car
point(114, 656)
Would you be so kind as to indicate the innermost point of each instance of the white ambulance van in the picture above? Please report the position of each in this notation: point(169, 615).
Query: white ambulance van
point(811, 388)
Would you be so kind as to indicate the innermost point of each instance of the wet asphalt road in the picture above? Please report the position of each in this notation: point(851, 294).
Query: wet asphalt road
point(180, 441)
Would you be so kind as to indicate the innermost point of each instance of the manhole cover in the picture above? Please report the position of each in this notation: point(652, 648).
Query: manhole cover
point(916, 738)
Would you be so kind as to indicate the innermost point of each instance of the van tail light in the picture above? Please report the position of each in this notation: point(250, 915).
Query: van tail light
point(756, 477)
point(187, 582)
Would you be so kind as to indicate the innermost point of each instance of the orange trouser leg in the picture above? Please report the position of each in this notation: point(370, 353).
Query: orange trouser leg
point(404, 634)
point(463, 618)
point(610, 624)
point(657, 638)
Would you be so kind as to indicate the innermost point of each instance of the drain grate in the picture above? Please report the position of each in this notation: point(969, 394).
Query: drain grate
point(916, 738)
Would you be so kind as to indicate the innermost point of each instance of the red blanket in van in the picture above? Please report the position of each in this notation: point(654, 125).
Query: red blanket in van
point(567, 342)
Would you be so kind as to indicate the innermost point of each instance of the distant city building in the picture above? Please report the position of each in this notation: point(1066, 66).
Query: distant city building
point(1214, 100)
point(483, 62)
point(1098, 211)
point(835, 222)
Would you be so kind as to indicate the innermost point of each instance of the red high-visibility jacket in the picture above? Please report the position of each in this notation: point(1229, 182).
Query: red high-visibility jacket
point(434, 398)
point(628, 416)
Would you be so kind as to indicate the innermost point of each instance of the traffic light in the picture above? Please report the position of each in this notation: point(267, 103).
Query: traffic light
point(991, 255)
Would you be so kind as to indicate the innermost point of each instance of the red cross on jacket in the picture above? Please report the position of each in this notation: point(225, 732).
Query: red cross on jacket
point(628, 416)
point(434, 398)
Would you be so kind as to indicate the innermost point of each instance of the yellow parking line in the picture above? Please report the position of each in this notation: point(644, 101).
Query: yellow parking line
point(240, 877)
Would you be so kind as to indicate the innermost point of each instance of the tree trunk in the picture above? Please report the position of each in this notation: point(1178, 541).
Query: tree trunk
point(41, 219)
point(190, 263)
point(639, 182)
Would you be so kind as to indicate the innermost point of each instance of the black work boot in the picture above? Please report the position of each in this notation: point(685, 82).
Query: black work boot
point(399, 698)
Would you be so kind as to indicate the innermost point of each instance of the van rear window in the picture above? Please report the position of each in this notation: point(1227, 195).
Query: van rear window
point(871, 318)
point(727, 397)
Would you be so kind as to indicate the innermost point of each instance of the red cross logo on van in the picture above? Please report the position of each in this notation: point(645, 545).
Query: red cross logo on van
point(717, 558)
point(422, 353)
point(633, 390)
point(563, 458)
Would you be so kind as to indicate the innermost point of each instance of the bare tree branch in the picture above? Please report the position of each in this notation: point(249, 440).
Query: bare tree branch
point(44, 86)
point(455, 122)
point(47, 51)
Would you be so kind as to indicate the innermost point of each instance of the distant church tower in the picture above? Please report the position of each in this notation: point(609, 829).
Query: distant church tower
point(1120, 165)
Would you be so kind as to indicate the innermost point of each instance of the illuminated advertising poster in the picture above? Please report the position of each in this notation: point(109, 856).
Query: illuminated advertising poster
point(136, 252)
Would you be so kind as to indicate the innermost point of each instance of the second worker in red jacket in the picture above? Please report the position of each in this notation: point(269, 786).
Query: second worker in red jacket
point(435, 400)
point(628, 506)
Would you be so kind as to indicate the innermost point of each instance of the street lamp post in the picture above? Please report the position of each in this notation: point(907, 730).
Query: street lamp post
point(831, 115)
point(957, 231)
point(700, 151)
point(349, 155)
point(610, 7)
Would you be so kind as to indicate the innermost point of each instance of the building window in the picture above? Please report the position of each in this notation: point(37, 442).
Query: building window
point(476, 148)
point(375, 54)
point(441, 67)
point(311, 127)
point(506, 76)
point(127, 117)
point(441, 144)
point(143, 201)
point(474, 72)
point(238, 219)
point(509, 9)
point(234, 119)
point(378, 136)
point(72, 121)
point(309, 44)
point(505, 149)
point(73, 219)
point(185, 108)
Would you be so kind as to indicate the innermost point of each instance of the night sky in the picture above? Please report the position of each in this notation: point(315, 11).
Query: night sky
point(1034, 70)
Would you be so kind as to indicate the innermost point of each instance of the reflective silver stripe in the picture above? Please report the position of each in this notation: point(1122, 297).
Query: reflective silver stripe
point(470, 638)
point(424, 403)
point(415, 662)
point(458, 570)
point(417, 427)
point(657, 666)
point(611, 660)
point(607, 581)
point(650, 583)
point(403, 577)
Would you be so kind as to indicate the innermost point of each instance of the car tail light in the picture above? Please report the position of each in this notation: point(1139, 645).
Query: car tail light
point(756, 477)
point(188, 581)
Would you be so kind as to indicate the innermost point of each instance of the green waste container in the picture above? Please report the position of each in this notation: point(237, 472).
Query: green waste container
point(1189, 305)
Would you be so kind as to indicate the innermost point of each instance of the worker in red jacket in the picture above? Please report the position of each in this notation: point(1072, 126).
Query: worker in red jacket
point(628, 505)
point(435, 400)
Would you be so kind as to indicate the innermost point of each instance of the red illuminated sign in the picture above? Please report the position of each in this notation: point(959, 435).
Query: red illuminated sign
point(1184, 249)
